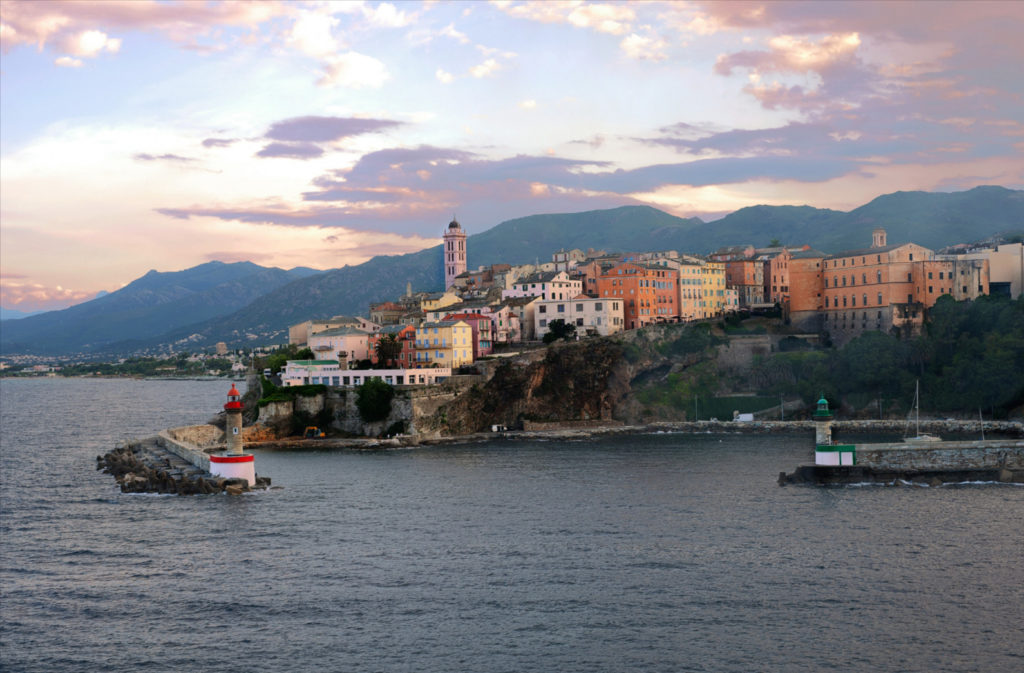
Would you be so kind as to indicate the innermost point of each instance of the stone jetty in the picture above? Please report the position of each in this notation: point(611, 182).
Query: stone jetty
point(148, 466)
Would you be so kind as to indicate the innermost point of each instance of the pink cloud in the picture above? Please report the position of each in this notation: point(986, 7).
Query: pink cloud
point(73, 27)
point(16, 293)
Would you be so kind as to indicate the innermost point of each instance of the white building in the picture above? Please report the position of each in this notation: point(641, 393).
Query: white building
point(341, 343)
point(546, 285)
point(330, 373)
point(591, 315)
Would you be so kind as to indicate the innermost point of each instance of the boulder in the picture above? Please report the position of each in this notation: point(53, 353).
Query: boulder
point(234, 490)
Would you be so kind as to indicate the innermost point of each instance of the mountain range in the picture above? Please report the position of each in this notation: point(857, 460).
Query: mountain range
point(247, 304)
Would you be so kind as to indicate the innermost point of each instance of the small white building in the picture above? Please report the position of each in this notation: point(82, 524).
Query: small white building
point(594, 316)
point(341, 343)
point(329, 373)
point(546, 285)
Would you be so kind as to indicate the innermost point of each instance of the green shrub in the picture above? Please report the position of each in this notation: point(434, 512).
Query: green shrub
point(373, 399)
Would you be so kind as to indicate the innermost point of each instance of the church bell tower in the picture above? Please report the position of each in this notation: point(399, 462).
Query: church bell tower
point(454, 253)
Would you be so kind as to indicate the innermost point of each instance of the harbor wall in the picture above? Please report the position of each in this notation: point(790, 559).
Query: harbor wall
point(180, 442)
point(1008, 454)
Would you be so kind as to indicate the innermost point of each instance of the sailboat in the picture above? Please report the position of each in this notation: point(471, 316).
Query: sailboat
point(918, 437)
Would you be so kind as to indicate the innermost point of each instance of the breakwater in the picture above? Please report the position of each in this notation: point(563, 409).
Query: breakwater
point(931, 463)
point(155, 465)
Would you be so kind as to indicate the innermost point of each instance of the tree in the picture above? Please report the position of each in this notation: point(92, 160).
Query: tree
point(775, 243)
point(559, 329)
point(373, 399)
point(388, 349)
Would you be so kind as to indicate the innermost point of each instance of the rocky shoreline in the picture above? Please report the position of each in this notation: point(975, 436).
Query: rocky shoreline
point(146, 467)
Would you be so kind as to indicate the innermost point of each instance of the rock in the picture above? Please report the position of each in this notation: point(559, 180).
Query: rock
point(233, 490)
point(1005, 475)
point(935, 481)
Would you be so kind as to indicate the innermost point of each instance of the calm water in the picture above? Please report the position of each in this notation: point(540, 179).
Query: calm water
point(651, 553)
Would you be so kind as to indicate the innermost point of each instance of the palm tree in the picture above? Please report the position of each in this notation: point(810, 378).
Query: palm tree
point(387, 350)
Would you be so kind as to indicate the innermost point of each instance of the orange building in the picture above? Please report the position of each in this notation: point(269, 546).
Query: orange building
point(746, 276)
point(805, 289)
point(649, 293)
point(881, 288)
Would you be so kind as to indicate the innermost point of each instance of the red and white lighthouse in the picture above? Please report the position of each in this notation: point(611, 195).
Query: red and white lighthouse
point(234, 463)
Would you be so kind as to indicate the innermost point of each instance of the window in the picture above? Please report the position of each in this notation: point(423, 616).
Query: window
point(561, 308)
point(865, 298)
point(579, 322)
point(911, 257)
point(930, 275)
point(543, 322)
point(863, 279)
point(542, 309)
point(597, 307)
point(853, 300)
point(579, 308)
point(940, 275)
point(879, 302)
point(910, 277)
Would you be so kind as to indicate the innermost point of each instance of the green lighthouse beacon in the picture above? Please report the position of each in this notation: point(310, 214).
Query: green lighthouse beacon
point(825, 452)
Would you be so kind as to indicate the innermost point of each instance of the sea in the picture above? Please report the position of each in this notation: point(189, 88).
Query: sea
point(649, 552)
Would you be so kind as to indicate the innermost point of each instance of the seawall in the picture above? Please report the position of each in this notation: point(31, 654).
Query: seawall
point(933, 464)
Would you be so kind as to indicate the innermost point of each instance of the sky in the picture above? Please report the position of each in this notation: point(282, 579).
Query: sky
point(147, 135)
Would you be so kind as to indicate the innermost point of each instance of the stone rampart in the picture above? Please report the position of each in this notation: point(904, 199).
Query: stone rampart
point(201, 436)
point(536, 426)
point(1008, 454)
point(184, 449)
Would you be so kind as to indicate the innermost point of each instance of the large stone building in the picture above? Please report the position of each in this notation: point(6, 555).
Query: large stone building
point(889, 287)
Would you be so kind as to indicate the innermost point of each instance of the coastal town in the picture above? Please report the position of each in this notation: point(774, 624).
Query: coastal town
point(423, 337)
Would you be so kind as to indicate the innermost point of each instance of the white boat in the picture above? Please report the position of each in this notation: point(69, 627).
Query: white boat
point(918, 437)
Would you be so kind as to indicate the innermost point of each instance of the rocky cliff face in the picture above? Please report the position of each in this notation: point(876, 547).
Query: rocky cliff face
point(577, 381)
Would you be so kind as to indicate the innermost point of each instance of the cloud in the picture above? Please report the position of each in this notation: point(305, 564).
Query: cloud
point(30, 296)
point(68, 62)
point(612, 18)
point(89, 43)
point(325, 129)
point(291, 151)
point(162, 157)
point(219, 142)
point(444, 77)
point(312, 33)
point(528, 104)
point(386, 15)
point(792, 54)
point(354, 70)
point(70, 27)
point(644, 48)
point(485, 69)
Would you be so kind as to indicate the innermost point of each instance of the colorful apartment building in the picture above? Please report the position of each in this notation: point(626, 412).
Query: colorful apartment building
point(445, 343)
point(405, 335)
point(713, 296)
point(480, 326)
point(747, 277)
point(649, 293)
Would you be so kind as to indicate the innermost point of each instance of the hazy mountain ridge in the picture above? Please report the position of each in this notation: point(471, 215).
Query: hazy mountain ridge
point(241, 305)
point(148, 306)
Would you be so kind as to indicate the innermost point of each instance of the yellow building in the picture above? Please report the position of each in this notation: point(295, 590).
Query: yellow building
point(713, 297)
point(438, 300)
point(445, 343)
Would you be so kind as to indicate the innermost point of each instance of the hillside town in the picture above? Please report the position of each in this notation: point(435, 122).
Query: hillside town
point(423, 337)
